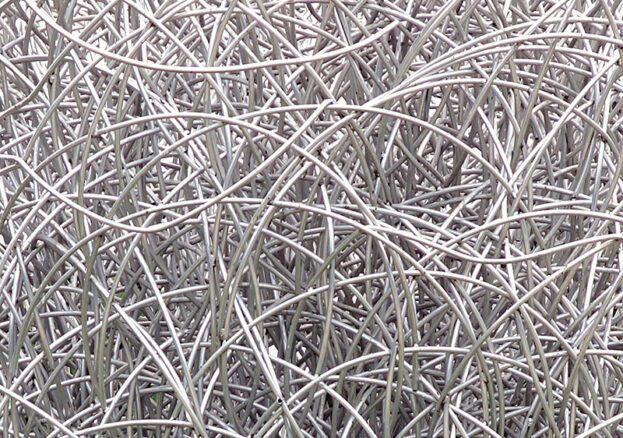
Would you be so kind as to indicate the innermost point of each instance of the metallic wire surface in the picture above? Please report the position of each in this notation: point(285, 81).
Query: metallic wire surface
point(311, 218)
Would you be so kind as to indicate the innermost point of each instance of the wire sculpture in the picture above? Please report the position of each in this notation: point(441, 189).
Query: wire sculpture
point(311, 218)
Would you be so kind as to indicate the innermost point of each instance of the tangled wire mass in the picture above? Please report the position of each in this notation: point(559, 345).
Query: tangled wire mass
point(311, 218)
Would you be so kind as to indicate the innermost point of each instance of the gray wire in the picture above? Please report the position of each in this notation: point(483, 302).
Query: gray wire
point(311, 219)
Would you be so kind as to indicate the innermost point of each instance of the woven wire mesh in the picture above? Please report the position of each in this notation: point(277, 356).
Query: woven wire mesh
point(311, 218)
